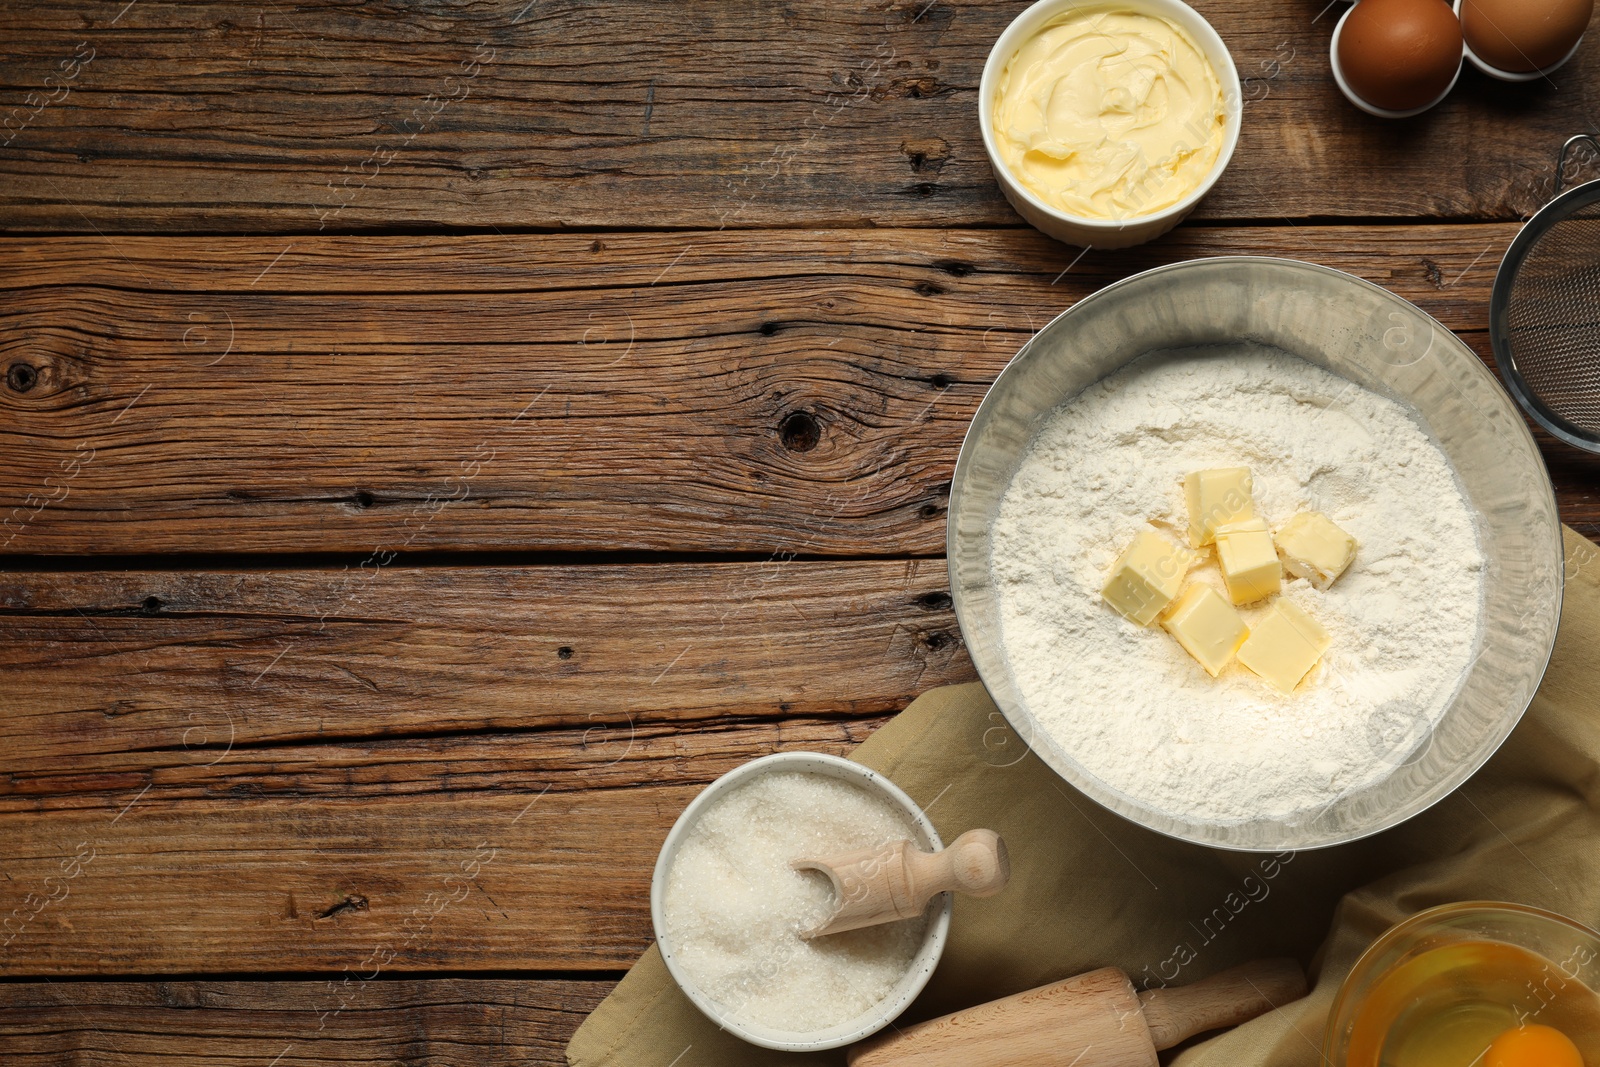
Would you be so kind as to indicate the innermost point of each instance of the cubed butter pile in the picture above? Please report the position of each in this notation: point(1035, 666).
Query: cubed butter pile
point(1147, 580)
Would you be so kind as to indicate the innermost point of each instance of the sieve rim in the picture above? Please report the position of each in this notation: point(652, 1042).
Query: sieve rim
point(1556, 211)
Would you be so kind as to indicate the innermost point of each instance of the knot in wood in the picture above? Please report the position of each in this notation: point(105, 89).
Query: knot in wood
point(21, 377)
point(800, 431)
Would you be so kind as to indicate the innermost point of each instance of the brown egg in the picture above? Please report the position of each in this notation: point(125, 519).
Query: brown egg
point(1400, 54)
point(1524, 35)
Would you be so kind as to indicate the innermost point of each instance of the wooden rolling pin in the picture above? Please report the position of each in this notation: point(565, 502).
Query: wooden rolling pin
point(896, 881)
point(1093, 1020)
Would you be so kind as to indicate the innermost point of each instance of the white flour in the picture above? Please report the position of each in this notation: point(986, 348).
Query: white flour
point(1127, 702)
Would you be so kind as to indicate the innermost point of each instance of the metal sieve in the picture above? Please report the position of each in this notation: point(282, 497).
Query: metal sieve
point(1544, 314)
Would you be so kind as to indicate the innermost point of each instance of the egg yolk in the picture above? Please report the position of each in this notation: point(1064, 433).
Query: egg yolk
point(1533, 1046)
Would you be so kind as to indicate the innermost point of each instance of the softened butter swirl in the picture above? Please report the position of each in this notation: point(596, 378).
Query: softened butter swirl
point(1108, 114)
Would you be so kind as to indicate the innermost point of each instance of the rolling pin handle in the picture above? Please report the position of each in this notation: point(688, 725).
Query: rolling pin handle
point(1227, 999)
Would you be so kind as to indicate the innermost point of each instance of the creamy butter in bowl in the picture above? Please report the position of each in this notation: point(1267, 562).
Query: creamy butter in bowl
point(1106, 123)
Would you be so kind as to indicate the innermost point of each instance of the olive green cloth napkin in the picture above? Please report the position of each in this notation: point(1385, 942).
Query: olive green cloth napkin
point(1090, 889)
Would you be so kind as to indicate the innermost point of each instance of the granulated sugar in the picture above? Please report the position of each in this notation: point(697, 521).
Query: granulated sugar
point(1126, 701)
point(733, 908)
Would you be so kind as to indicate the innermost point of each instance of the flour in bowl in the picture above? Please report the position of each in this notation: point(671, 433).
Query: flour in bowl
point(1126, 702)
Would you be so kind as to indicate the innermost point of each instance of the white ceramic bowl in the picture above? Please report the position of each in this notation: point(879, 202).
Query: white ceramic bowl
point(1514, 75)
point(1105, 233)
point(1374, 109)
point(922, 965)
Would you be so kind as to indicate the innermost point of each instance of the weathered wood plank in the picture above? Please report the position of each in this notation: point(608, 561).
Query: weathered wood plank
point(614, 755)
point(768, 392)
point(705, 114)
point(506, 878)
point(294, 1024)
point(1420, 262)
point(197, 759)
point(183, 668)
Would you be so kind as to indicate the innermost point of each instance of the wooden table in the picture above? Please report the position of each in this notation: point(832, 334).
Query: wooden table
point(440, 438)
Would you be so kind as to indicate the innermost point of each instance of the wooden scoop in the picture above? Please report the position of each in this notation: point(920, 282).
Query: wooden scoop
point(896, 881)
point(1093, 1020)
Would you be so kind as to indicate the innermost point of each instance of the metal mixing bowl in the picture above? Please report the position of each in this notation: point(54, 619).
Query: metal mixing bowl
point(1362, 333)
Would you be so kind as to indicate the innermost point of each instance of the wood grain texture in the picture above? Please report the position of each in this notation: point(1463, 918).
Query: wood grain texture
point(181, 667)
point(1062, 1022)
point(503, 878)
point(705, 114)
point(495, 1023)
point(491, 853)
point(760, 392)
point(453, 768)
point(614, 755)
point(384, 770)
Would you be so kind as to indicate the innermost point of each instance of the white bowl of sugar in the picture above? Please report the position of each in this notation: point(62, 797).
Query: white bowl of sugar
point(728, 909)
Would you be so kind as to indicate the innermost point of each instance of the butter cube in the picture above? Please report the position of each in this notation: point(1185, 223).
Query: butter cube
point(1146, 577)
point(1250, 565)
point(1315, 549)
point(1206, 626)
point(1215, 498)
point(1284, 646)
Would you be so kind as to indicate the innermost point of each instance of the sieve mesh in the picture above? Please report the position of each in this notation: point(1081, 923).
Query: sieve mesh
point(1545, 316)
point(1553, 319)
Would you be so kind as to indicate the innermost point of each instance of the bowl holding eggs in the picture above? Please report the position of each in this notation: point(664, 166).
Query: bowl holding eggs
point(1397, 58)
point(1522, 40)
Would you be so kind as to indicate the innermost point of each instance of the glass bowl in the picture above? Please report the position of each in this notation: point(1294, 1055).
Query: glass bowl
point(1362, 333)
point(1570, 951)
